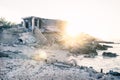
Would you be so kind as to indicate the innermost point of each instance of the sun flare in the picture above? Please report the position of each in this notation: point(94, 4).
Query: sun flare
point(72, 29)
point(76, 27)
point(77, 32)
point(40, 55)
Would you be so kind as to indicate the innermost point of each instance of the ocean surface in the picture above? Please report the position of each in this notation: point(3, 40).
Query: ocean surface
point(105, 63)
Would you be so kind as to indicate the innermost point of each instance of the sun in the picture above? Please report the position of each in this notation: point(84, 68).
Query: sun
point(40, 55)
point(75, 27)
point(72, 29)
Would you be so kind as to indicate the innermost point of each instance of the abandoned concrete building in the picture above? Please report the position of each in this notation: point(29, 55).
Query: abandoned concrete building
point(44, 30)
point(45, 25)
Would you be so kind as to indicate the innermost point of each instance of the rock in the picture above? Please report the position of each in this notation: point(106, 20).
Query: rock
point(109, 54)
point(85, 50)
point(82, 67)
point(73, 62)
point(26, 38)
point(101, 47)
point(2, 54)
point(99, 75)
point(114, 73)
point(16, 52)
point(62, 65)
point(107, 46)
point(89, 56)
point(10, 54)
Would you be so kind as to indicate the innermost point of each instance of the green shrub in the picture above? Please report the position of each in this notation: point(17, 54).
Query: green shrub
point(5, 24)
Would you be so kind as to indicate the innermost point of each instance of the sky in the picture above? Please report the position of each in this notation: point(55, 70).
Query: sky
point(99, 18)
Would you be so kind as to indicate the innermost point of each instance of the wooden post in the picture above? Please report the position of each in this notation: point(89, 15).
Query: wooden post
point(101, 70)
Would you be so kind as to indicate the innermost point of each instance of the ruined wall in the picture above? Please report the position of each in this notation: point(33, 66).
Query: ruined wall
point(52, 37)
point(49, 25)
point(41, 39)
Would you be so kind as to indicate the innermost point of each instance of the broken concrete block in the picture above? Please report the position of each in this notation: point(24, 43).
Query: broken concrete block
point(39, 36)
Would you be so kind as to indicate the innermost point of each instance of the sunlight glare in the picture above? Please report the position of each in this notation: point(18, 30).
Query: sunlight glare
point(72, 29)
point(40, 55)
point(75, 27)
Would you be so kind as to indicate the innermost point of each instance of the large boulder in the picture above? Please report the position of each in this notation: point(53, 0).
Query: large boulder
point(109, 54)
point(114, 73)
point(88, 49)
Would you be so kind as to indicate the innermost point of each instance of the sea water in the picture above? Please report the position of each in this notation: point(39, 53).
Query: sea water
point(105, 63)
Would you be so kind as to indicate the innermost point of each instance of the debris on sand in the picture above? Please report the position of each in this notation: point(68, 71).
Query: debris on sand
point(55, 71)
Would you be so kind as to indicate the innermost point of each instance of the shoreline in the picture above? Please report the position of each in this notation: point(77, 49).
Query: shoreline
point(56, 67)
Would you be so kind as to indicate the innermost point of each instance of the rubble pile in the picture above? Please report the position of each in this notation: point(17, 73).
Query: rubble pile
point(32, 70)
point(26, 38)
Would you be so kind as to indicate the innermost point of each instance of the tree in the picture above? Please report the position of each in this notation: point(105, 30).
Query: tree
point(5, 24)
